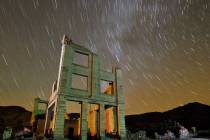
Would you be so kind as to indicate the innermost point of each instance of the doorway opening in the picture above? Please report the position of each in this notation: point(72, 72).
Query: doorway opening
point(93, 121)
point(72, 120)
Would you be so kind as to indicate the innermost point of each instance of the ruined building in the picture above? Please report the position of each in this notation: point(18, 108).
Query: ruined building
point(100, 96)
point(38, 116)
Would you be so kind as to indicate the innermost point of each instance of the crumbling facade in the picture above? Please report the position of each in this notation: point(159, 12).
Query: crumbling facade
point(38, 116)
point(102, 109)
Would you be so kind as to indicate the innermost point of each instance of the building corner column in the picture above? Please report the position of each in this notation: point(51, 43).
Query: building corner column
point(120, 104)
point(59, 117)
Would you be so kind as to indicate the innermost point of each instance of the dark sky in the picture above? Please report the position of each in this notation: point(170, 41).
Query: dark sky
point(162, 46)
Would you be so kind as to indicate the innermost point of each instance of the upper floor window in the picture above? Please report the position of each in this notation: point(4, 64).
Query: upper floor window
point(106, 87)
point(79, 82)
point(42, 106)
point(81, 58)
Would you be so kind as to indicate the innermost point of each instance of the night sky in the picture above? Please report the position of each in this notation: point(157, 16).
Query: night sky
point(162, 46)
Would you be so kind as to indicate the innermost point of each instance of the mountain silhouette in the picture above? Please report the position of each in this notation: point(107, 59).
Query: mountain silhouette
point(190, 115)
point(15, 116)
